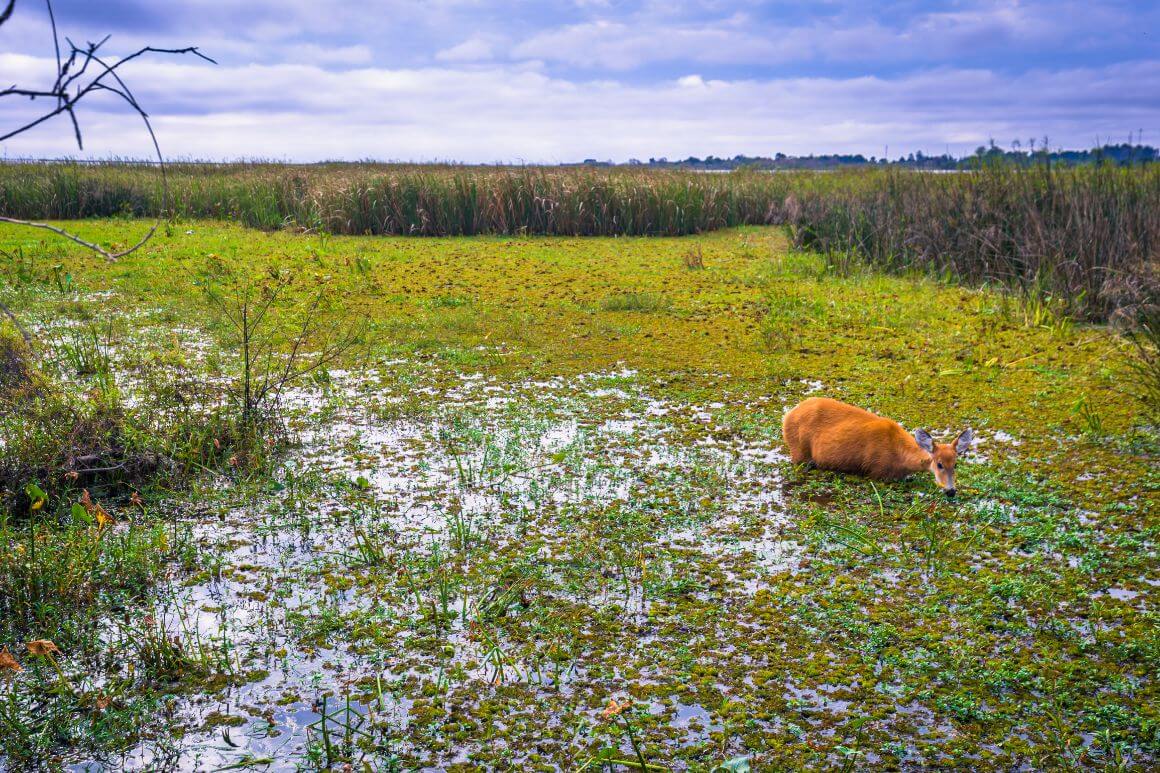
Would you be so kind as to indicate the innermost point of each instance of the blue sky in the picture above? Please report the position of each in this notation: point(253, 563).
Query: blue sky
point(477, 81)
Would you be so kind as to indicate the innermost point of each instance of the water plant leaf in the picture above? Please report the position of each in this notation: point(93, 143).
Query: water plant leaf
point(36, 495)
point(80, 514)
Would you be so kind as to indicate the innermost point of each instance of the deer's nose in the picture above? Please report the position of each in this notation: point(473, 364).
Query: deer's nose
point(951, 492)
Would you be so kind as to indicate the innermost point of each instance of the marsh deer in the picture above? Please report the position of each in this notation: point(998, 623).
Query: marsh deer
point(837, 436)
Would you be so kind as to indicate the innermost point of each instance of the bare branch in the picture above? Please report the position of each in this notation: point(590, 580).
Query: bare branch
point(69, 88)
point(89, 245)
point(8, 313)
point(55, 39)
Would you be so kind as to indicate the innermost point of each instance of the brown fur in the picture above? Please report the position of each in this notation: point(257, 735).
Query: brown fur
point(841, 437)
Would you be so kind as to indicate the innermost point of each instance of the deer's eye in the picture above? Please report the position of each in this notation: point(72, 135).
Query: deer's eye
point(940, 465)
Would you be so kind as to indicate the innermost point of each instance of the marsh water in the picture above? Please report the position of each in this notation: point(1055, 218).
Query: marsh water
point(456, 538)
point(540, 526)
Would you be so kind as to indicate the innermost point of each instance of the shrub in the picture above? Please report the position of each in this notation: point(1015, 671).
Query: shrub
point(19, 378)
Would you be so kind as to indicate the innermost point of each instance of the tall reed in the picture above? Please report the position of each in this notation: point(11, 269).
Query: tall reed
point(405, 199)
point(1088, 237)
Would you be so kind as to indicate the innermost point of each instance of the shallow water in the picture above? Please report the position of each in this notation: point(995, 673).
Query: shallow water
point(469, 511)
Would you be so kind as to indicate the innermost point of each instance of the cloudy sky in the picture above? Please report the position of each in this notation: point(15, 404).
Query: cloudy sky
point(552, 81)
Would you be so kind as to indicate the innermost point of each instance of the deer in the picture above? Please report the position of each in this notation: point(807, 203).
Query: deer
point(833, 435)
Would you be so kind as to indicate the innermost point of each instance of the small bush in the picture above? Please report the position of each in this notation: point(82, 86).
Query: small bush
point(19, 378)
point(58, 436)
point(66, 435)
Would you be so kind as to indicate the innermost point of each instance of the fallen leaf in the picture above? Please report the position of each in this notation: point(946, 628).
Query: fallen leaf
point(7, 662)
point(42, 648)
point(94, 509)
point(614, 708)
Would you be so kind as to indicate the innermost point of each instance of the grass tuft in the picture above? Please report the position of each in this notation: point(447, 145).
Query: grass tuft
point(642, 302)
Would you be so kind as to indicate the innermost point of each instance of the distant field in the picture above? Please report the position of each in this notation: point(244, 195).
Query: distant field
point(1085, 241)
point(549, 476)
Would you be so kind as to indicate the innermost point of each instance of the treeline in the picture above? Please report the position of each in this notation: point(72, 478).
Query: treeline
point(1124, 154)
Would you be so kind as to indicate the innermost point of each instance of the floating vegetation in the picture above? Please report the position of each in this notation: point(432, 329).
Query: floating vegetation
point(506, 534)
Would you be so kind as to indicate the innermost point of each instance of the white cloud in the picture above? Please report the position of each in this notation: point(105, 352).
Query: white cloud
point(312, 53)
point(473, 49)
point(621, 46)
point(509, 113)
point(655, 36)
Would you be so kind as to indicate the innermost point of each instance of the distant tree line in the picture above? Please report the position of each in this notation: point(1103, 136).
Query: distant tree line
point(1124, 154)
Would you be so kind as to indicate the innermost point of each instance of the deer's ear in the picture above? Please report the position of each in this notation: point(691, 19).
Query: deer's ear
point(964, 440)
point(924, 440)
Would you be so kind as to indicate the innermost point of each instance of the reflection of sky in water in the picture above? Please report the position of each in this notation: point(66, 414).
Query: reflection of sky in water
point(500, 459)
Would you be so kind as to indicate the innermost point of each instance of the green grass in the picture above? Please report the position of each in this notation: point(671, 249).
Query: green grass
point(50, 573)
point(918, 630)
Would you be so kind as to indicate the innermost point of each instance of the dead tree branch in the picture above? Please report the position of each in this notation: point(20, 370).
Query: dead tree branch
point(82, 72)
point(16, 323)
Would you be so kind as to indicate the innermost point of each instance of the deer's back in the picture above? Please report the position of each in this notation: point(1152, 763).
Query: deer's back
point(839, 436)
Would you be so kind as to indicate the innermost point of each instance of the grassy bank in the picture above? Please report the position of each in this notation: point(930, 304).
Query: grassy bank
point(550, 478)
point(1082, 240)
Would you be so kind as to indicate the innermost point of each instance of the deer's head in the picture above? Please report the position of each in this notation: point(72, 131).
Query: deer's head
point(944, 455)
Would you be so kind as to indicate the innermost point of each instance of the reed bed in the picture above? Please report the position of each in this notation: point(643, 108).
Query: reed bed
point(1087, 238)
point(405, 200)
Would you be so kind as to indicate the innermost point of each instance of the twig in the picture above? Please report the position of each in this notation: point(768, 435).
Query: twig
point(8, 313)
point(110, 256)
point(68, 89)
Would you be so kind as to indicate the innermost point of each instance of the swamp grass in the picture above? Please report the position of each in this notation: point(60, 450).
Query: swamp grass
point(1014, 627)
point(1086, 239)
